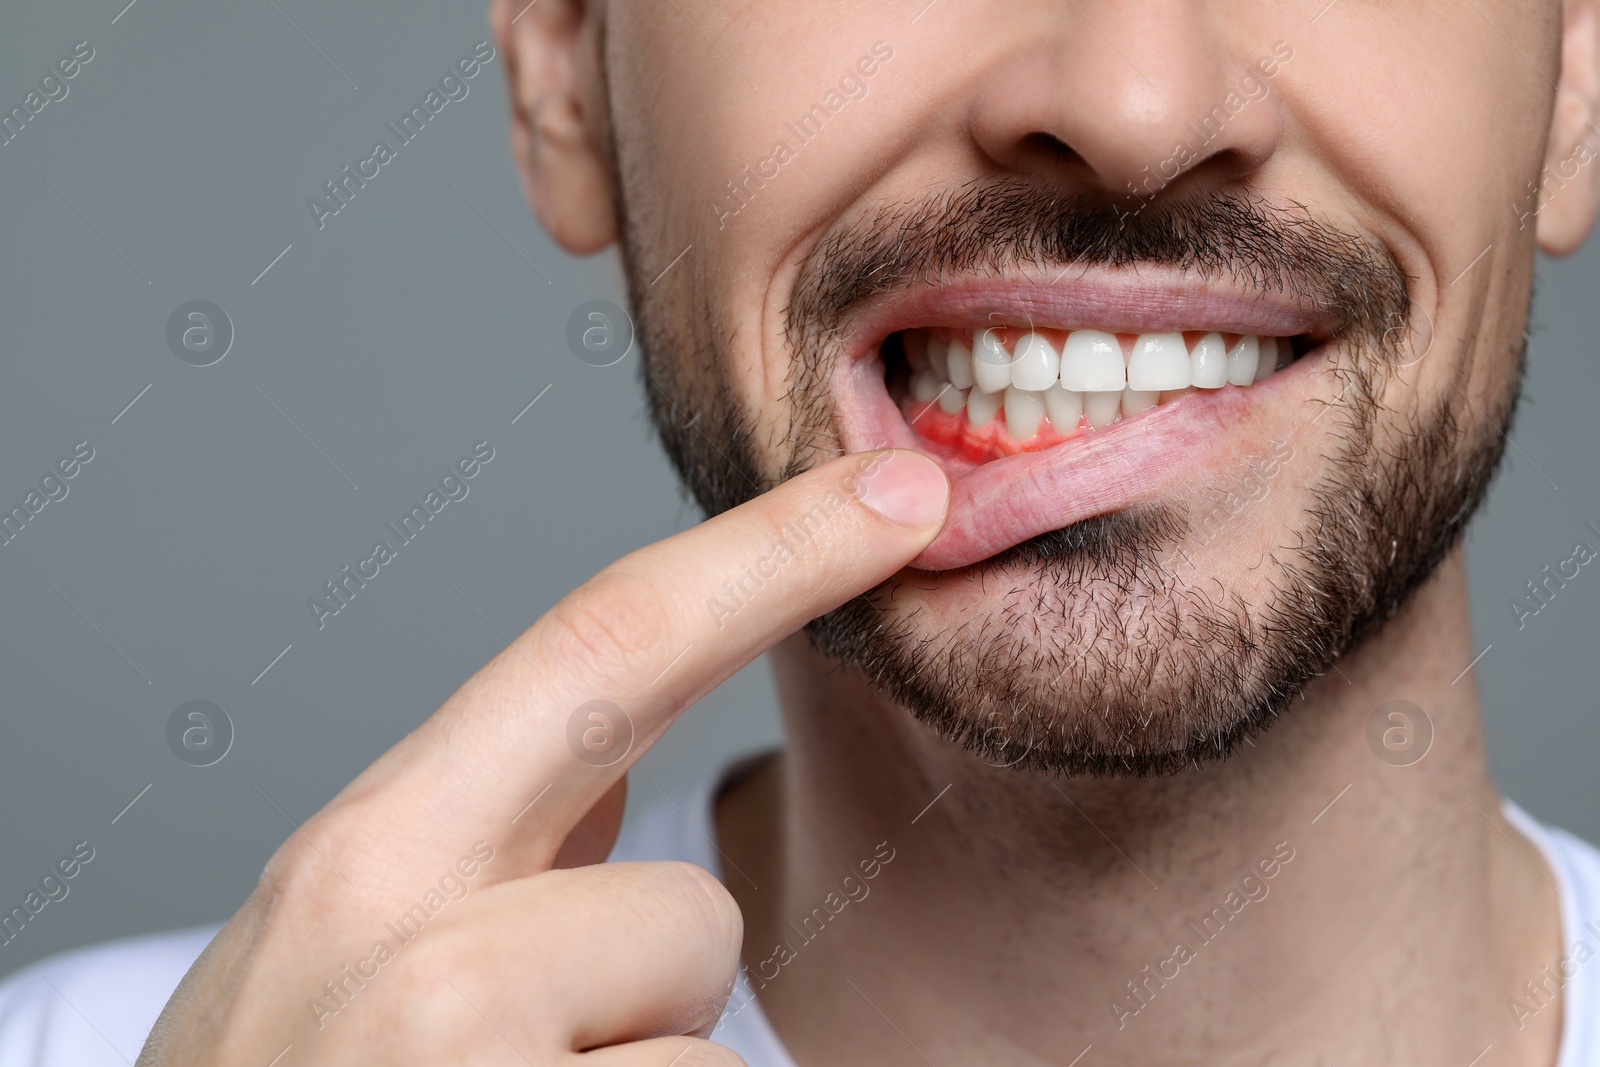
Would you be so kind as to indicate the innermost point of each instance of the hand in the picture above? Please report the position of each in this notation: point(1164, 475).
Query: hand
point(432, 912)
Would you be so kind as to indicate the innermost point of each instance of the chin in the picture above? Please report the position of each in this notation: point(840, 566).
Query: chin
point(1077, 652)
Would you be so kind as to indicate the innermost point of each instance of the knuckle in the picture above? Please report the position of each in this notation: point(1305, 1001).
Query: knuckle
point(611, 623)
point(432, 981)
point(828, 513)
point(795, 528)
point(428, 965)
point(315, 861)
point(299, 867)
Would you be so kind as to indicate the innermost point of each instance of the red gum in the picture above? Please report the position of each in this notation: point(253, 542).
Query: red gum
point(980, 444)
point(1168, 449)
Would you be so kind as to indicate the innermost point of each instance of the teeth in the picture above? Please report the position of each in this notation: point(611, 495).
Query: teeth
point(1137, 401)
point(991, 363)
point(958, 361)
point(982, 406)
point(1242, 359)
point(1024, 412)
point(1092, 361)
point(916, 349)
point(1269, 357)
point(1101, 408)
point(1037, 366)
point(1160, 361)
point(1063, 408)
point(1086, 379)
point(937, 348)
point(952, 400)
point(1208, 363)
point(925, 386)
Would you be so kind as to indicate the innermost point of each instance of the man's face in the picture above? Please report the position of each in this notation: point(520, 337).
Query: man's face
point(959, 226)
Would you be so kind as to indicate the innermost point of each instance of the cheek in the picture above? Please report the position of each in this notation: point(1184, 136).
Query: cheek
point(1438, 181)
point(1464, 141)
point(1438, 178)
point(712, 178)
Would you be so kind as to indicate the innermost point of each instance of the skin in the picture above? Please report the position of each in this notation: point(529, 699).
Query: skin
point(1018, 918)
point(549, 952)
point(1018, 905)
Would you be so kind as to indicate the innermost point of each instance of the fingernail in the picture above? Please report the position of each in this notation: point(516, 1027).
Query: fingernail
point(903, 487)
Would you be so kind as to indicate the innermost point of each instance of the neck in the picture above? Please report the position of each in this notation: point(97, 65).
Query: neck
point(1301, 900)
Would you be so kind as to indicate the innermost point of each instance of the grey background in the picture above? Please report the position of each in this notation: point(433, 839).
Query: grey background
point(367, 360)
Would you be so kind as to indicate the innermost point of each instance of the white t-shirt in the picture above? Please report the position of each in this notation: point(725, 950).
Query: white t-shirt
point(94, 1007)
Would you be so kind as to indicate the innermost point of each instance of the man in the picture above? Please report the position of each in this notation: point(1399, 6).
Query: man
point(1110, 382)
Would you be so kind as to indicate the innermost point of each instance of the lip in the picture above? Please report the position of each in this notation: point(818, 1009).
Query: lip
point(1168, 449)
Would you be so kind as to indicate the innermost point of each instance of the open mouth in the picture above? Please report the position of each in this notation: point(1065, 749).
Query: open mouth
point(978, 395)
point(1048, 404)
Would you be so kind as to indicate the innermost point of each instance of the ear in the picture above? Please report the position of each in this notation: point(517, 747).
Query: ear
point(1569, 185)
point(559, 134)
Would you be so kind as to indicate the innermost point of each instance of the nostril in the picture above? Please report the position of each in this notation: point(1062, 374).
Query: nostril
point(1049, 146)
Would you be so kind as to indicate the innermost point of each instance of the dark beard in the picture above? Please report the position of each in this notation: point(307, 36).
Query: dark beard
point(1100, 659)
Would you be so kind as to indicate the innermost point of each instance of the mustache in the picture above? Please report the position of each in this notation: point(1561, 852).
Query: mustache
point(998, 226)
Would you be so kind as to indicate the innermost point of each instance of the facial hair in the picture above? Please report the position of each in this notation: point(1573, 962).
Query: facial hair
point(1095, 654)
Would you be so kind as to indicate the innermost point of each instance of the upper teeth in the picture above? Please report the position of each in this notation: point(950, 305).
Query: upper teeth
point(1039, 376)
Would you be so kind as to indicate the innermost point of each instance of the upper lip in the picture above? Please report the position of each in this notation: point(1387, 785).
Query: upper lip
point(1127, 300)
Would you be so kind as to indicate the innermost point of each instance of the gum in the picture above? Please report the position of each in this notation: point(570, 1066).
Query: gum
point(980, 444)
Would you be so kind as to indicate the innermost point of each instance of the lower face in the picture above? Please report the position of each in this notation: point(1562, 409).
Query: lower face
point(1201, 444)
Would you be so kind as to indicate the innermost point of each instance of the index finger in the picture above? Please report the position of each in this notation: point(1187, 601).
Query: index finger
point(537, 735)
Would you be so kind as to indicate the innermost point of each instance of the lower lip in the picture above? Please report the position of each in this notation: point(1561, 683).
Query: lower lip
point(999, 504)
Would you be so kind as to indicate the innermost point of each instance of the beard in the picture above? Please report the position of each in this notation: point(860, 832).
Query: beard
point(1093, 650)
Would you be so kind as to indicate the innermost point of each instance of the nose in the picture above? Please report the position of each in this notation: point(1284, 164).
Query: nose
point(1132, 96)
